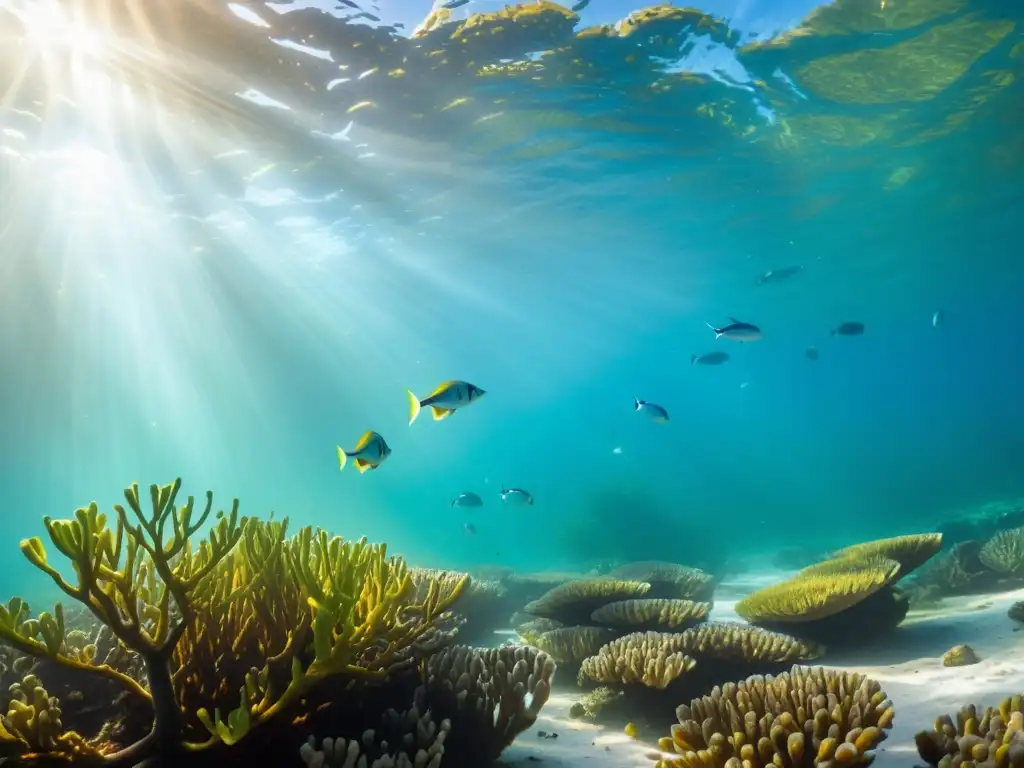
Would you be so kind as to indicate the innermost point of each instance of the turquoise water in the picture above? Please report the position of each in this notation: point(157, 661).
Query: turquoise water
point(197, 285)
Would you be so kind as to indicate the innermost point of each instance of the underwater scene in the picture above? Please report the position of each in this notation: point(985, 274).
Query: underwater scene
point(388, 385)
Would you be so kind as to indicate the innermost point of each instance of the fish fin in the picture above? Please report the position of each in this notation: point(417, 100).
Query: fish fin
point(441, 413)
point(414, 406)
point(362, 465)
point(738, 322)
point(442, 387)
point(637, 404)
point(342, 458)
point(363, 441)
point(693, 359)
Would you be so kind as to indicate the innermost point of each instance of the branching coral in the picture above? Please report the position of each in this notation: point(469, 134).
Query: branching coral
point(654, 614)
point(1004, 552)
point(652, 659)
point(574, 601)
point(802, 718)
point(489, 696)
point(275, 616)
point(992, 738)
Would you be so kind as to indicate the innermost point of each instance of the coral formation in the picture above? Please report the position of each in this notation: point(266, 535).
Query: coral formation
point(669, 580)
point(571, 645)
point(573, 602)
point(992, 738)
point(1016, 611)
point(959, 656)
point(593, 702)
point(959, 571)
point(483, 693)
point(848, 598)
point(231, 643)
point(1004, 552)
point(804, 717)
point(651, 613)
point(652, 659)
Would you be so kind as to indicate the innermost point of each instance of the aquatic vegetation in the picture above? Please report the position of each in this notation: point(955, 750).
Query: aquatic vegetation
point(653, 613)
point(483, 607)
point(652, 659)
point(804, 717)
point(1004, 552)
point(593, 702)
point(574, 601)
point(849, 597)
point(532, 626)
point(571, 645)
point(959, 656)
point(993, 737)
point(669, 580)
point(293, 627)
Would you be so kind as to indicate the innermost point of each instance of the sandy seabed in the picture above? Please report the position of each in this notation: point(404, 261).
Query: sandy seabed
point(907, 663)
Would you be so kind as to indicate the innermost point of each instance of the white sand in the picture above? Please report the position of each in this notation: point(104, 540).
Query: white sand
point(908, 664)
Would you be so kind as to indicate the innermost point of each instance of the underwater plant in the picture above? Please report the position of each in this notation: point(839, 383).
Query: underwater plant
point(1004, 553)
point(277, 632)
point(801, 718)
point(994, 737)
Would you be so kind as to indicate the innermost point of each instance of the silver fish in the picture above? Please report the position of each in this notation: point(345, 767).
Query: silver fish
point(516, 497)
point(709, 358)
point(737, 331)
point(467, 500)
point(445, 400)
point(775, 275)
point(370, 452)
point(937, 319)
point(650, 410)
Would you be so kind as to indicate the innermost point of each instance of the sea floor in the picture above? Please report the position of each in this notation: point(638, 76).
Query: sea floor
point(908, 665)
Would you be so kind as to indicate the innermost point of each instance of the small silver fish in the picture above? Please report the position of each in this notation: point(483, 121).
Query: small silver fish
point(467, 500)
point(370, 452)
point(775, 275)
point(709, 358)
point(469, 529)
point(445, 400)
point(516, 497)
point(650, 410)
point(937, 319)
point(737, 331)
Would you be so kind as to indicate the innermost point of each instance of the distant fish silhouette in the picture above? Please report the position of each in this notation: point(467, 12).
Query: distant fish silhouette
point(580, 6)
point(516, 497)
point(775, 275)
point(849, 328)
point(811, 352)
point(452, 4)
point(709, 358)
point(467, 500)
point(737, 331)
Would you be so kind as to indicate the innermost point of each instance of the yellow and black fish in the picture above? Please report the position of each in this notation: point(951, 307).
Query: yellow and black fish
point(445, 400)
point(370, 452)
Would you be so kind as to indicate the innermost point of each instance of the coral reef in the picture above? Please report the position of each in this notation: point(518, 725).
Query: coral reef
point(227, 647)
point(959, 571)
point(1004, 552)
point(652, 659)
point(669, 580)
point(484, 605)
point(571, 645)
point(593, 702)
point(804, 717)
point(959, 656)
point(992, 738)
point(984, 522)
point(573, 602)
point(848, 598)
point(654, 613)
point(1016, 611)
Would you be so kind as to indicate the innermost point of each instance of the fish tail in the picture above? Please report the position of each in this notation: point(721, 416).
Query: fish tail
point(637, 404)
point(414, 406)
point(342, 458)
point(718, 333)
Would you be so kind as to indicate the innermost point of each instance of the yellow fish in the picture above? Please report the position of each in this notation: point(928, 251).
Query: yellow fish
point(630, 730)
point(369, 453)
point(445, 400)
